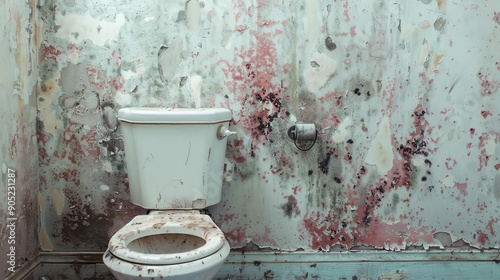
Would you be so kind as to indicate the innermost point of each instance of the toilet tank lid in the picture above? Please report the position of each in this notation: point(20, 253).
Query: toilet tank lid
point(174, 115)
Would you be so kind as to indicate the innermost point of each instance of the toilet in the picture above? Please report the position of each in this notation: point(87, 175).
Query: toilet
point(175, 163)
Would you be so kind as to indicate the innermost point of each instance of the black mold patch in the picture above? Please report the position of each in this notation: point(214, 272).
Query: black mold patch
point(113, 146)
point(269, 275)
point(290, 208)
point(330, 45)
point(81, 225)
point(367, 217)
point(323, 165)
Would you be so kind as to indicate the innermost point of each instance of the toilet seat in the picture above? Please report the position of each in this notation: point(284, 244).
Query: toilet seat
point(180, 223)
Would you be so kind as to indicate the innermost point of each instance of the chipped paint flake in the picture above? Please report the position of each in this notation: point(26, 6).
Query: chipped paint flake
point(77, 28)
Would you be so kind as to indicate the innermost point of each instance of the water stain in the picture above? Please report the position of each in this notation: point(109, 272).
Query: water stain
point(441, 4)
point(58, 200)
point(45, 243)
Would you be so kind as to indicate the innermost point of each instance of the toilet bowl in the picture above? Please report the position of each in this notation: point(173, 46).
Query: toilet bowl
point(167, 245)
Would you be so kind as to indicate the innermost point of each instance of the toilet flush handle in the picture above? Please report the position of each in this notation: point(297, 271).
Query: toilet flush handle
point(223, 132)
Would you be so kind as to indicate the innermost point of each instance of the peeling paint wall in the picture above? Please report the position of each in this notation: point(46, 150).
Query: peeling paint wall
point(18, 146)
point(403, 96)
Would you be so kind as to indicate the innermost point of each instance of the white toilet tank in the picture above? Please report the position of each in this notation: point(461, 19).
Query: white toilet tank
point(174, 157)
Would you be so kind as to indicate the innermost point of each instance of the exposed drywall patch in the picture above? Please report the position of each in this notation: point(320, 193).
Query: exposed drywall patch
point(193, 11)
point(342, 132)
point(107, 166)
point(444, 238)
point(169, 59)
point(196, 82)
point(320, 69)
point(70, 79)
point(380, 152)
point(122, 98)
point(490, 147)
point(76, 28)
point(129, 70)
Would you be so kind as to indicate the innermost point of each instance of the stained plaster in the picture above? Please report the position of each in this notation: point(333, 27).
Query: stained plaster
point(19, 223)
point(403, 96)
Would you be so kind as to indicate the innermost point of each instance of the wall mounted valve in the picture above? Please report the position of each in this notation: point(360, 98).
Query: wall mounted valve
point(304, 135)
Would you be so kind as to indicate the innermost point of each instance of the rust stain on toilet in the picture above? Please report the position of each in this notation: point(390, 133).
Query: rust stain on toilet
point(138, 267)
point(158, 225)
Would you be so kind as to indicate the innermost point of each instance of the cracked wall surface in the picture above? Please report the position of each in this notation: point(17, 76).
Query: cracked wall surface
point(403, 95)
point(19, 40)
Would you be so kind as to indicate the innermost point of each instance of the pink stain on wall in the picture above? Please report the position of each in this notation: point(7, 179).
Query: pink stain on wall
point(462, 188)
point(352, 31)
point(490, 224)
point(489, 86)
point(98, 79)
point(255, 74)
point(236, 236)
point(496, 17)
point(49, 52)
point(74, 47)
point(484, 157)
point(69, 175)
point(345, 6)
point(486, 113)
point(73, 143)
point(482, 237)
point(323, 228)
